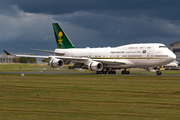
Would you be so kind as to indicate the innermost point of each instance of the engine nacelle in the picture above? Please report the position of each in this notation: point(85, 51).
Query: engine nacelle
point(95, 66)
point(56, 63)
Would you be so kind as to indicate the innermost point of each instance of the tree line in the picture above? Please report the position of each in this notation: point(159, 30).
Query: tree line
point(24, 60)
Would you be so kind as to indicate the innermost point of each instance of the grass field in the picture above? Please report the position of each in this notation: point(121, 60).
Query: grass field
point(87, 97)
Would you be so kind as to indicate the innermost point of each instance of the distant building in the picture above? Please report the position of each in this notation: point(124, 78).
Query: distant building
point(176, 50)
point(8, 58)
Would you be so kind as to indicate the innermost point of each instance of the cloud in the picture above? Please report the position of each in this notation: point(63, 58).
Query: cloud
point(165, 9)
point(114, 29)
point(28, 24)
point(22, 30)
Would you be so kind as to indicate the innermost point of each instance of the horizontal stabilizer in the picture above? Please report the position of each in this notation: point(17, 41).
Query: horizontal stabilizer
point(57, 53)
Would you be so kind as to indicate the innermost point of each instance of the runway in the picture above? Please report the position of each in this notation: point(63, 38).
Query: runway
point(85, 73)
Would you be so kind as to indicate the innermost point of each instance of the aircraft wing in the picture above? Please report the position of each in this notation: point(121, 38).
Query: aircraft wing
point(76, 59)
point(84, 59)
point(34, 56)
point(51, 56)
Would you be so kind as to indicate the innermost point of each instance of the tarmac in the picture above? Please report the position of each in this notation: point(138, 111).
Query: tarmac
point(84, 73)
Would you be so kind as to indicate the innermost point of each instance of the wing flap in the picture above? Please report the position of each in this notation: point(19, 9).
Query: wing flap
point(33, 56)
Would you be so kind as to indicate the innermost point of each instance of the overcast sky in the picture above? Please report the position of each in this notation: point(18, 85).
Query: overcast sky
point(26, 24)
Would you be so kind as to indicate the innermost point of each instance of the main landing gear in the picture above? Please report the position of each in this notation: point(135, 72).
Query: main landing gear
point(112, 72)
point(106, 72)
point(125, 72)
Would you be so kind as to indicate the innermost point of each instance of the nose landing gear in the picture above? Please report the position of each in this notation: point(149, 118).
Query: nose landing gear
point(125, 72)
point(158, 72)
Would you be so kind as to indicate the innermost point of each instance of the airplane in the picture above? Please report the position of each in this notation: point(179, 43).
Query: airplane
point(106, 60)
point(173, 64)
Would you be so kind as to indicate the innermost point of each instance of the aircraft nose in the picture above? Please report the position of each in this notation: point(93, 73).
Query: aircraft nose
point(172, 56)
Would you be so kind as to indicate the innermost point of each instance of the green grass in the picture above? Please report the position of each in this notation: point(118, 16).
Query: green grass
point(35, 68)
point(87, 97)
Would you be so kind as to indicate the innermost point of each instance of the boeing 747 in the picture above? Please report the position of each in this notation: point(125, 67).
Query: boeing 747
point(108, 59)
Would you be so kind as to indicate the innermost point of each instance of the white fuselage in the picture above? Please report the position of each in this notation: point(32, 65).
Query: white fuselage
point(134, 55)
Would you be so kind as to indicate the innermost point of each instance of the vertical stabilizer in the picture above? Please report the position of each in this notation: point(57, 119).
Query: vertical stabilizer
point(62, 40)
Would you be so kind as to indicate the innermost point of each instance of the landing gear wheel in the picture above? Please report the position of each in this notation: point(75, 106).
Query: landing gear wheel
point(112, 72)
point(125, 72)
point(109, 72)
point(101, 72)
point(158, 73)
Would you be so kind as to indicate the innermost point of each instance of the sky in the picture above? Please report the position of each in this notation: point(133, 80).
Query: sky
point(26, 24)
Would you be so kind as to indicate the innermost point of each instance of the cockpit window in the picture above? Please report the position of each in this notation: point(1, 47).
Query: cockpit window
point(162, 46)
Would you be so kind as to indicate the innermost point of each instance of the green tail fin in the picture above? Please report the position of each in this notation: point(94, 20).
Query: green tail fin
point(61, 39)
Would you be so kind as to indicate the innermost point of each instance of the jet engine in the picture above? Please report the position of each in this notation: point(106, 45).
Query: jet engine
point(95, 66)
point(56, 63)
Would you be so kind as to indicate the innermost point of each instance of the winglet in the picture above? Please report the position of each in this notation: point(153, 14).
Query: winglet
point(7, 53)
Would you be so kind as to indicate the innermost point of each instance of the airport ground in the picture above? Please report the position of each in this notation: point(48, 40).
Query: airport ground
point(86, 95)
